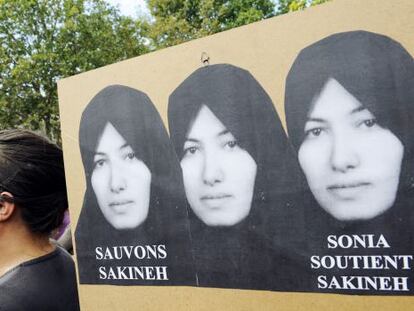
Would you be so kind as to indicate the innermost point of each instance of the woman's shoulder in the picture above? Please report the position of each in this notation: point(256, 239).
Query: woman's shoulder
point(48, 281)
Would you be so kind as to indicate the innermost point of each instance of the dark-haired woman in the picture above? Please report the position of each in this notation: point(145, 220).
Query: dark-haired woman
point(35, 274)
point(236, 169)
point(349, 109)
point(133, 216)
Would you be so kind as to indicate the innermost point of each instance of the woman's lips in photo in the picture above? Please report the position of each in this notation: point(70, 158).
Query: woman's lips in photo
point(215, 200)
point(348, 190)
point(120, 207)
point(217, 196)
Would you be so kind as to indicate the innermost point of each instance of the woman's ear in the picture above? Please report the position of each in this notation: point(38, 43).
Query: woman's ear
point(7, 206)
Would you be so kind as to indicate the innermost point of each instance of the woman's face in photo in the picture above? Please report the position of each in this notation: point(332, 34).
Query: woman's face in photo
point(351, 163)
point(219, 175)
point(120, 181)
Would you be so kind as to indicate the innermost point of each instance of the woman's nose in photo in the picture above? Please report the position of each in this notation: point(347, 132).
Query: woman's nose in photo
point(344, 155)
point(212, 169)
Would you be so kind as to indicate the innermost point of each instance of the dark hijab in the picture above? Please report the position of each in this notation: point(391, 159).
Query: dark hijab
point(135, 118)
point(378, 72)
point(239, 256)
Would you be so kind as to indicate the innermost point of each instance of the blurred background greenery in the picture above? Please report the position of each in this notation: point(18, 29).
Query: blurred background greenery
point(42, 41)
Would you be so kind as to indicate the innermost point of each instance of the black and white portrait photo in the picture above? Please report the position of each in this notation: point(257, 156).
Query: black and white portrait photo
point(133, 226)
point(236, 164)
point(349, 105)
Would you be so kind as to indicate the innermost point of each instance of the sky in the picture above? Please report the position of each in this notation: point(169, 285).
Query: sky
point(131, 8)
point(135, 8)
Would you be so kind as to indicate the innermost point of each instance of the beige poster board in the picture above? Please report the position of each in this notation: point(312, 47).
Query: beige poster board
point(267, 49)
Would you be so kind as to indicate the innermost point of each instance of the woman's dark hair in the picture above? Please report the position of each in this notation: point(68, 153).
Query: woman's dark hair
point(379, 73)
point(246, 110)
point(375, 69)
point(245, 251)
point(133, 115)
point(135, 118)
point(32, 170)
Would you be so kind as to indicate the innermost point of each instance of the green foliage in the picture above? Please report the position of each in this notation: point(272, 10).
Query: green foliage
point(177, 21)
point(285, 6)
point(44, 40)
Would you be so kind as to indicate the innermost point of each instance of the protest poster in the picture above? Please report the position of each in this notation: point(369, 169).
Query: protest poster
point(270, 165)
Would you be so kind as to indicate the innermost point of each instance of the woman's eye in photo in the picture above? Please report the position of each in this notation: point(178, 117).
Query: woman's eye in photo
point(369, 122)
point(99, 163)
point(231, 144)
point(314, 132)
point(190, 150)
point(130, 156)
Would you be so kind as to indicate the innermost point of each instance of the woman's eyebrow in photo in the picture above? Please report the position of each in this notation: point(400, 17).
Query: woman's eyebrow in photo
point(126, 145)
point(194, 140)
point(357, 109)
point(321, 120)
point(313, 119)
point(223, 132)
